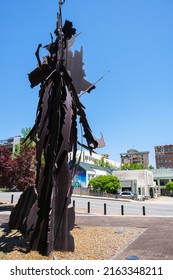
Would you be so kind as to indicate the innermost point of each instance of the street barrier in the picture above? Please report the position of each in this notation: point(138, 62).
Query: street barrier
point(74, 204)
point(105, 208)
point(122, 209)
point(88, 207)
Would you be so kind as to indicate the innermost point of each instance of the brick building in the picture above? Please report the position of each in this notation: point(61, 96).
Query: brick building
point(164, 156)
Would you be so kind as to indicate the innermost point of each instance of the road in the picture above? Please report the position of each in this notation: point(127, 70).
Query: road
point(6, 197)
point(157, 207)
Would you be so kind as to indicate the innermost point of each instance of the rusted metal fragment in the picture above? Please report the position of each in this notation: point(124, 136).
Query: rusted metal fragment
point(101, 141)
point(38, 75)
point(75, 67)
point(68, 30)
point(20, 212)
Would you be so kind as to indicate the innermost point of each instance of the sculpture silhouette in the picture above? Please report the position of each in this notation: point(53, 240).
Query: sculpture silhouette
point(44, 212)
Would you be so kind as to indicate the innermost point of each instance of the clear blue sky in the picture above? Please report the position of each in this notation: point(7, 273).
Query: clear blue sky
point(133, 39)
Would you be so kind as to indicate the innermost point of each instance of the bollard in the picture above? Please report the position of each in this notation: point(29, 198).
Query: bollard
point(74, 204)
point(143, 209)
point(104, 208)
point(88, 207)
point(12, 198)
point(122, 209)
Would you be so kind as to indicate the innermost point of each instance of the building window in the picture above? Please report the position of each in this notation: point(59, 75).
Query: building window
point(163, 182)
point(90, 176)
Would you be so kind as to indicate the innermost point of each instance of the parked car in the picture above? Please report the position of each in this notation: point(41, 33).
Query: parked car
point(127, 194)
point(140, 197)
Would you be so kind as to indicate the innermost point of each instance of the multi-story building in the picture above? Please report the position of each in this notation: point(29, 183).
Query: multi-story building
point(10, 143)
point(134, 156)
point(164, 156)
point(94, 158)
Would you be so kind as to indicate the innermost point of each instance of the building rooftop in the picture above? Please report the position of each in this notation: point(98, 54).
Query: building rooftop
point(134, 153)
point(163, 145)
point(162, 172)
point(91, 167)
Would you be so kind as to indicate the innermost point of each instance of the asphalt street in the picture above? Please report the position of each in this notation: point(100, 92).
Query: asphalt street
point(161, 206)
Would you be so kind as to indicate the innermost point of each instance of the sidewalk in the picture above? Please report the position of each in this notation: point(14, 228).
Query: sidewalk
point(155, 243)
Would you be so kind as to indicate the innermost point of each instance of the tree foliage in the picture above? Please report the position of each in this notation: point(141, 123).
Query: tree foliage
point(169, 186)
point(151, 167)
point(7, 169)
point(103, 162)
point(17, 170)
point(25, 131)
point(105, 183)
point(133, 165)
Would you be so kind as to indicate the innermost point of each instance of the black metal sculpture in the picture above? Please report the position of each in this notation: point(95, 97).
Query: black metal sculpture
point(43, 212)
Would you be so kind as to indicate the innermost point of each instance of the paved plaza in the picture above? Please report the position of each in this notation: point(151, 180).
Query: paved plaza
point(155, 243)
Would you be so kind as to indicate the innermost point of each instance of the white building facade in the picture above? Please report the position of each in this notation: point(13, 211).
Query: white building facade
point(95, 158)
point(143, 182)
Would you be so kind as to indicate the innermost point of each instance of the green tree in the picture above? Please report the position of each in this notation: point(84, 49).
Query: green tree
point(105, 183)
point(107, 164)
point(169, 186)
point(102, 163)
point(96, 162)
point(151, 167)
point(133, 165)
point(25, 131)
